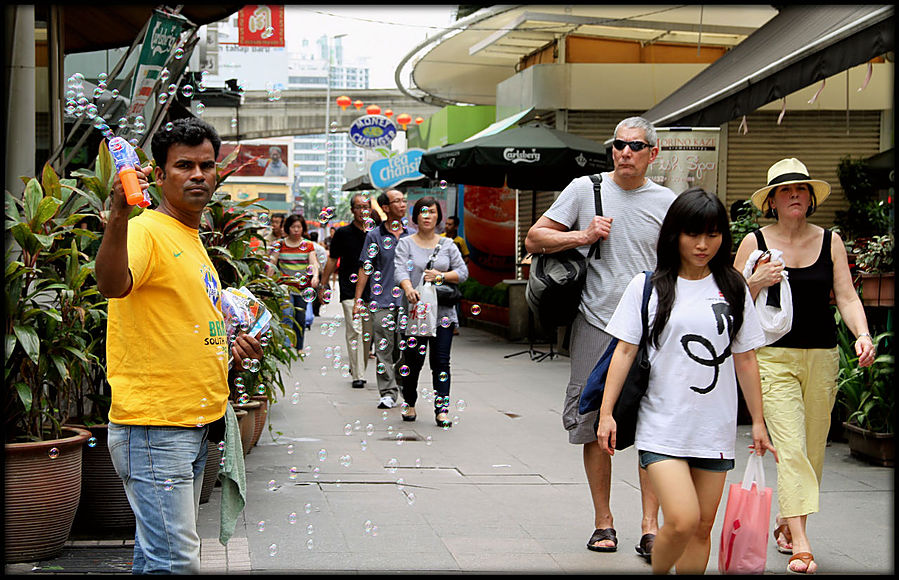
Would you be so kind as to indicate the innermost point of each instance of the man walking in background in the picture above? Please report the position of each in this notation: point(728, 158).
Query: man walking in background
point(379, 248)
point(346, 247)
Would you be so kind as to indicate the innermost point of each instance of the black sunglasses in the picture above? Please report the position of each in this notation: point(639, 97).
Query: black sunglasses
point(635, 146)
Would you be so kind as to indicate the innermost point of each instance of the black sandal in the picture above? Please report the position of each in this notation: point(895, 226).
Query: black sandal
point(604, 534)
point(644, 548)
point(442, 422)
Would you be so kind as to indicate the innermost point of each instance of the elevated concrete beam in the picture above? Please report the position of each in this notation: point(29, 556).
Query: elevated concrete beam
point(303, 112)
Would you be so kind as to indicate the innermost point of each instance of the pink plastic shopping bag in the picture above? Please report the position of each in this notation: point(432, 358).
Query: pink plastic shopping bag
point(744, 536)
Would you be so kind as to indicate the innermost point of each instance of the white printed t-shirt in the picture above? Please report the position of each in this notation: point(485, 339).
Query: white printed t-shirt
point(690, 406)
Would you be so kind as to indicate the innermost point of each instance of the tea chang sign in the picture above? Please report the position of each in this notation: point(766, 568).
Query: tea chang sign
point(386, 173)
point(372, 131)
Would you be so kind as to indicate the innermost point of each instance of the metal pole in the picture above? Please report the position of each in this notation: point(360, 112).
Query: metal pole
point(327, 118)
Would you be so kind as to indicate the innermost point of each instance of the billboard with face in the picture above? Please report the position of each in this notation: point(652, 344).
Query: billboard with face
point(258, 160)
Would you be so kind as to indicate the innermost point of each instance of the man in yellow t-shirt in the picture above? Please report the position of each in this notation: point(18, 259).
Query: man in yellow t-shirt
point(167, 348)
point(452, 232)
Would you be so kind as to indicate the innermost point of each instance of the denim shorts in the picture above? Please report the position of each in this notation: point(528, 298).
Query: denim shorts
point(706, 463)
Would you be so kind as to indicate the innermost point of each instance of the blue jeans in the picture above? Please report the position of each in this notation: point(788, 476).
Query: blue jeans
point(301, 318)
point(439, 360)
point(162, 469)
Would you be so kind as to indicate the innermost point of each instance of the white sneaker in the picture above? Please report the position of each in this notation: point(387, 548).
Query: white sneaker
point(386, 402)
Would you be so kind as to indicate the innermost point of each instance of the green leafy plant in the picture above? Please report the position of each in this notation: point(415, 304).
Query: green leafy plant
point(865, 216)
point(866, 393)
point(55, 315)
point(877, 255)
point(474, 291)
point(747, 222)
point(227, 229)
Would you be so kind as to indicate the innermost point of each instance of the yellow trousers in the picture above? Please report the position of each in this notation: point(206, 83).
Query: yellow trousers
point(799, 387)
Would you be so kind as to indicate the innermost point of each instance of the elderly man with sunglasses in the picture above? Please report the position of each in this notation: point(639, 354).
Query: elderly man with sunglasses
point(633, 208)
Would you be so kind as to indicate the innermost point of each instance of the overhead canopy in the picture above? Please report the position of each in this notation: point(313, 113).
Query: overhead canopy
point(105, 26)
point(803, 44)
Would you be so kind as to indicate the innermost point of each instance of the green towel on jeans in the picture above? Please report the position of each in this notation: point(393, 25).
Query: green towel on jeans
point(233, 477)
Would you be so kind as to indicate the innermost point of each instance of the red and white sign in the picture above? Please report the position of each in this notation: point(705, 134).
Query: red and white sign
point(261, 25)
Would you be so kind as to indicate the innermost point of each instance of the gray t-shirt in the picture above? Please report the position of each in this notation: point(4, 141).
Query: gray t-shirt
point(408, 253)
point(631, 246)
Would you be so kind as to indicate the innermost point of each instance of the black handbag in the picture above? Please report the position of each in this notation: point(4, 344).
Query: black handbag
point(556, 281)
point(635, 384)
point(447, 294)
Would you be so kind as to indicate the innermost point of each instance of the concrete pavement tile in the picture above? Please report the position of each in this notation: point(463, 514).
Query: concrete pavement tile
point(506, 561)
point(499, 543)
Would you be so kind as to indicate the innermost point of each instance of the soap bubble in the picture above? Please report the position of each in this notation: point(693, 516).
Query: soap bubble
point(316, 472)
point(308, 508)
point(290, 449)
point(392, 464)
point(377, 289)
point(168, 485)
point(92, 442)
point(292, 518)
point(404, 371)
point(445, 322)
point(201, 108)
point(382, 368)
point(322, 454)
point(273, 550)
point(179, 53)
point(261, 526)
point(310, 530)
point(347, 429)
point(293, 473)
point(475, 309)
point(443, 184)
point(187, 91)
point(369, 429)
point(53, 453)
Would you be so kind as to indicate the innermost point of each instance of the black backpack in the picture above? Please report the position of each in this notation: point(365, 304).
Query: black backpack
point(556, 281)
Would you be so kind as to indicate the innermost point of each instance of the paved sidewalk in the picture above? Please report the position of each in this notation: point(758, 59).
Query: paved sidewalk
point(501, 491)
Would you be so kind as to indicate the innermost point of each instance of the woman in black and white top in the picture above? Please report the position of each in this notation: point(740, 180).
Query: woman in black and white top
point(411, 258)
point(702, 335)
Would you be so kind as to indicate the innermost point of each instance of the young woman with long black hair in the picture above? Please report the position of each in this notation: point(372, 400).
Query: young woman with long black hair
point(702, 336)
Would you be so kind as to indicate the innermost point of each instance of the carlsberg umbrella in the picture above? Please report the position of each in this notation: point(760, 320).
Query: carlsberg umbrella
point(534, 158)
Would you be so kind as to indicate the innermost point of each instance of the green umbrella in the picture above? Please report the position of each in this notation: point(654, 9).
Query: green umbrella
point(533, 157)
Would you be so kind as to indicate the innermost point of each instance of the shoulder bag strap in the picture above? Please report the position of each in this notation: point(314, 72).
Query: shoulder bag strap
point(644, 306)
point(597, 201)
point(433, 257)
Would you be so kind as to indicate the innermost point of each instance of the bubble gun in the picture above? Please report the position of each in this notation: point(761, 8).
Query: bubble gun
point(125, 157)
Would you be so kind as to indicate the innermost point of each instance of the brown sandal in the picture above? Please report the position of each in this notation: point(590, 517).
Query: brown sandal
point(783, 529)
point(806, 558)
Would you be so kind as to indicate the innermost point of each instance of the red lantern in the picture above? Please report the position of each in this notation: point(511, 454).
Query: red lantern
point(373, 110)
point(358, 104)
point(404, 119)
point(419, 120)
point(344, 102)
point(388, 113)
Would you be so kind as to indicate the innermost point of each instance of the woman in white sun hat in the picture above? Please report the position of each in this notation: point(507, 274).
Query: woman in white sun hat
point(799, 371)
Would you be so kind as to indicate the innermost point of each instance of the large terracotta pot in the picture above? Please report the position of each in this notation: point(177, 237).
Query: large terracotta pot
point(248, 423)
point(103, 500)
point(876, 448)
point(210, 472)
point(877, 289)
point(261, 416)
point(42, 487)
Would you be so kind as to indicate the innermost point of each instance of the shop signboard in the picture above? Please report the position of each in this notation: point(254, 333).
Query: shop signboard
point(386, 173)
point(258, 160)
point(163, 33)
point(688, 157)
point(261, 25)
point(372, 131)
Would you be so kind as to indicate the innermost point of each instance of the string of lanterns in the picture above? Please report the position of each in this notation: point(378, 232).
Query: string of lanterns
point(403, 119)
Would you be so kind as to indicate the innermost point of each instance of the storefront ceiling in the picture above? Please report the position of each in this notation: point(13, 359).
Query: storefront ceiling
point(89, 27)
point(485, 47)
point(800, 46)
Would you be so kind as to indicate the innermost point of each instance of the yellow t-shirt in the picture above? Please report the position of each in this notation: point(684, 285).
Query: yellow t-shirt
point(166, 346)
point(460, 243)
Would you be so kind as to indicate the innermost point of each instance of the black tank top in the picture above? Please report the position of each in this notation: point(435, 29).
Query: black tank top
point(813, 322)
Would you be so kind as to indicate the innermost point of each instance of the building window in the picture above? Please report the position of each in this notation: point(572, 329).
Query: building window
point(273, 196)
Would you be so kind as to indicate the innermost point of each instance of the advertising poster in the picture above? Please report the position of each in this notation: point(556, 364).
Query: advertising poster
point(261, 25)
point(271, 160)
point(687, 158)
point(162, 35)
point(386, 173)
point(489, 218)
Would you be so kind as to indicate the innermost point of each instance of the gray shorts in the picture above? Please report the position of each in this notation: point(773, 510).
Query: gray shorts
point(587, 345)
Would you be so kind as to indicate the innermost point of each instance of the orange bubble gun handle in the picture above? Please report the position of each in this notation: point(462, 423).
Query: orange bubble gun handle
point(124, 157)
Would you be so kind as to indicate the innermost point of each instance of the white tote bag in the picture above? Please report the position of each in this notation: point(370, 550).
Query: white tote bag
point(775, 321)
point(423, 316)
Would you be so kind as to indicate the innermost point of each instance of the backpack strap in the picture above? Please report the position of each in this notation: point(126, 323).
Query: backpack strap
point(644, 306)
point(597, 202)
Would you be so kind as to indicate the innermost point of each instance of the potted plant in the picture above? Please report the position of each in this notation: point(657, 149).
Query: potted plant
point(52, 315)
point(485, 304)
point(875, 268)
point(868, 397)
